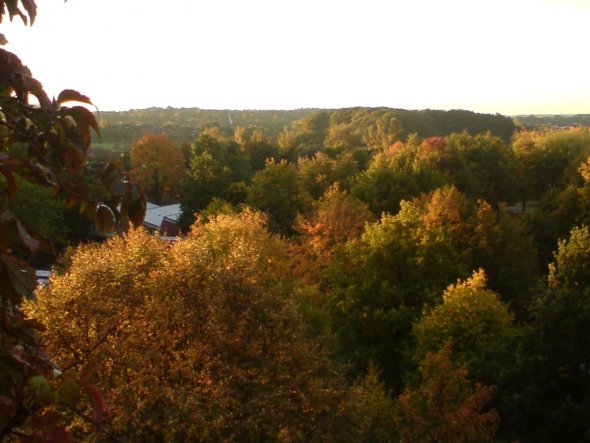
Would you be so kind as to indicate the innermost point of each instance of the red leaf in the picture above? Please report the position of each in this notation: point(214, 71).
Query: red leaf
point(32, 244)
point(13, 10)
point(59, 435)
point(74, 158)
point(84, 119)
point(99, 405)
point(21, 276)
point(104, 219)
point(10, 181)
point(36, 88)
point(70, 95)
point(31, 9)
point(108, 175)
point(7, 407)
point(88, 373)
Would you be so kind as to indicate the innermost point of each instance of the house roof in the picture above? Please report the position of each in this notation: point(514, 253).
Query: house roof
point(154, 214)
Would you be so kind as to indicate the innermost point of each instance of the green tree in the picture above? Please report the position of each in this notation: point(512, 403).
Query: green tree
point(343, 136)
point(551, 383)
point(480, 166)
point(383, 133)
point(205, 179)
point(277, 191)
point(484, 238)
point(219, 168)
point(382, 187)
point(478, 324)
point(379, 285)
point(547, 159)
point(375, 410)
point(501, 244)
point(320, 172)
point(256, 146)
point(486, 170)
point(305, 136)
point(560, 210)
point(34, 206)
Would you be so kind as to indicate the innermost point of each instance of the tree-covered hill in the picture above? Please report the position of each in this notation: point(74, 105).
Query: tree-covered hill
point(122, 128)
point(554, 121)
point(184, 123)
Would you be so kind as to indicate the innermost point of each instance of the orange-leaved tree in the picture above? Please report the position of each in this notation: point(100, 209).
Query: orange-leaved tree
point(336, 219)
point(445, 407)
point(208, 342)
point(157, 165)
point(45, 142)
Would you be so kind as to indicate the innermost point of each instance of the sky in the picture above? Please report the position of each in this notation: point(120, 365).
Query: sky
point(506, 56)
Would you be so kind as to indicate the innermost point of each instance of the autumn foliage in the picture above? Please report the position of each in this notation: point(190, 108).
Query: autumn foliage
point(44, 142)
point(391, 288)
point(157, 165)
point(336, 219)
point(445, 407)
point(198, 340)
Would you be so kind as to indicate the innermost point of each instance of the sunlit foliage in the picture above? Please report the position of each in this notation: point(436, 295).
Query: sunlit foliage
point(198, 340)
point(278, 191)
point(478, 324)
point(337, 218)
point(157, 165)
point(445, 407)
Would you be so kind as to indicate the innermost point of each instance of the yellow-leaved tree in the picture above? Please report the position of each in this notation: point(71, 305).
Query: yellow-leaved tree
point(477, 322)
point(200, 340)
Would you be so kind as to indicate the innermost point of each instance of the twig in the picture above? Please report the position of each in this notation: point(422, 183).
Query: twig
point(91, 350)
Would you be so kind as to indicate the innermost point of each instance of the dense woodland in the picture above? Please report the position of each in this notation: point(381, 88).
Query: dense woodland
point(358, 274)
point(342, 273)
point(120, 129)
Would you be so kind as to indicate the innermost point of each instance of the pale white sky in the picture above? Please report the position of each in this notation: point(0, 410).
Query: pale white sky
point(507, 56)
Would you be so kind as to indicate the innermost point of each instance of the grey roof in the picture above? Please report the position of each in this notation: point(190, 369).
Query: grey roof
point(154, 215)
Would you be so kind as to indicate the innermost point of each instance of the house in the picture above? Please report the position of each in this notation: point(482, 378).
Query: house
point(162, 219)
point(42, 276)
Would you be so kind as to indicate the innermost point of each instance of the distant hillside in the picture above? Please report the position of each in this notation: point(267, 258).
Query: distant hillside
point(554, 121)
point(120, 129)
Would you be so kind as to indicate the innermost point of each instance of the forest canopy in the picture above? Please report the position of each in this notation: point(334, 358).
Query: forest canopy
point(345, 275)
point(123, 127)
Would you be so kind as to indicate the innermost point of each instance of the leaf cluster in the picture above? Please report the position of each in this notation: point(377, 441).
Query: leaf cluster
point(43, 142)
